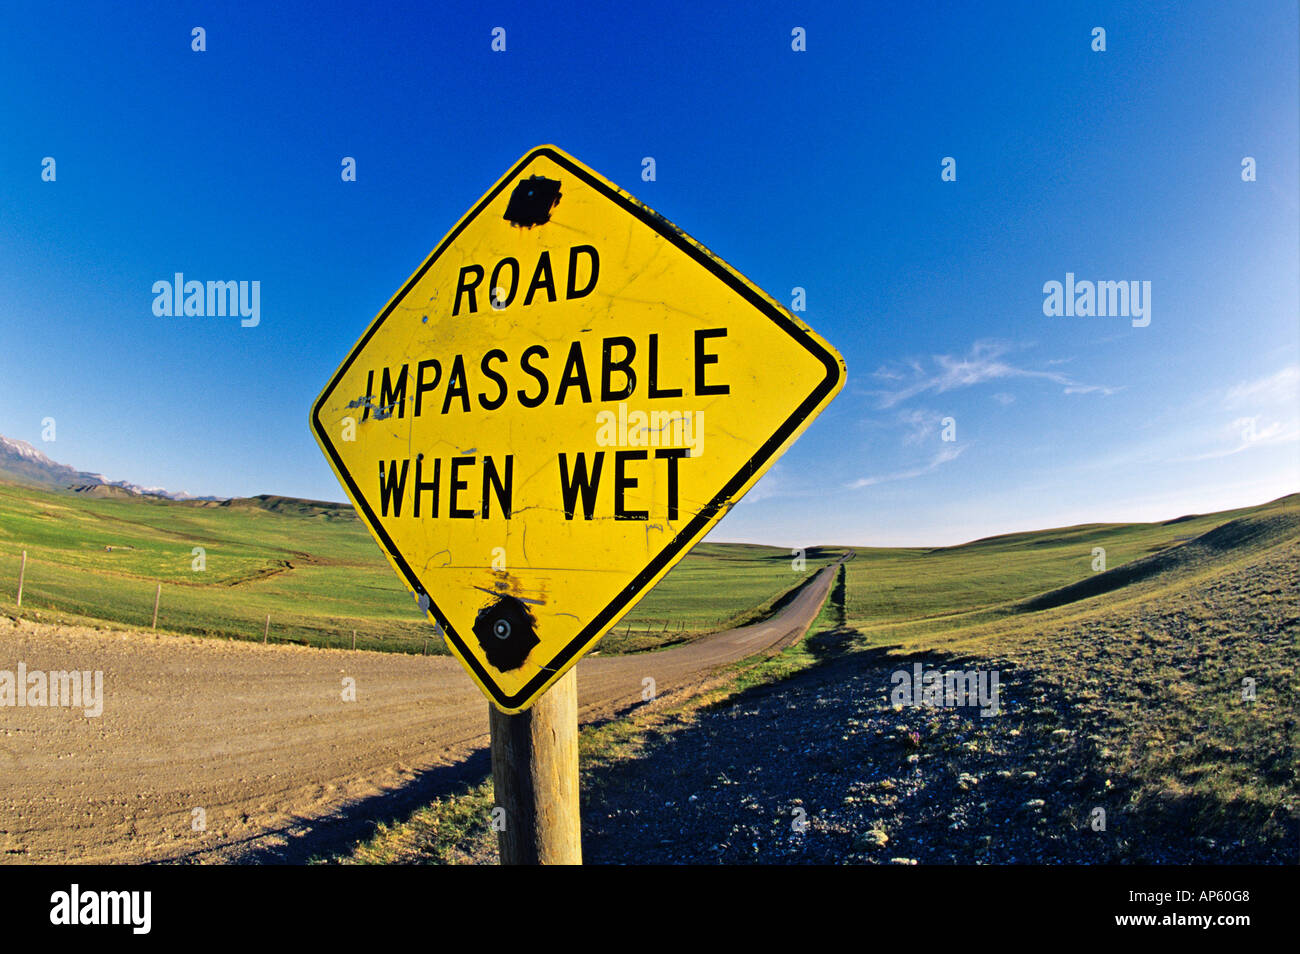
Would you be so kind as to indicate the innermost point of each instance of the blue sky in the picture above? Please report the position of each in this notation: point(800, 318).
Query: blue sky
point(819, 169)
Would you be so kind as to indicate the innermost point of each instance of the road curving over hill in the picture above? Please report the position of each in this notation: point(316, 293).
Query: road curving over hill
point(215, 751)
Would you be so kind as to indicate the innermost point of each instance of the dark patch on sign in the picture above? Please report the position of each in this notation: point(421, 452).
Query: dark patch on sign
point(507, 632)
point(531, 202)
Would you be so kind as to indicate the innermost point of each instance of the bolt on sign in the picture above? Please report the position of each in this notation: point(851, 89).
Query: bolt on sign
point(561, 401)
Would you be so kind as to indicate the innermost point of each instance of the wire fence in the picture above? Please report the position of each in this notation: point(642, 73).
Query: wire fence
point(149, 605)
point(42, 589)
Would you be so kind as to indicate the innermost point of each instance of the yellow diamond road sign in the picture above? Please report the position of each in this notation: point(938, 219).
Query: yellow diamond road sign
point(561, 401)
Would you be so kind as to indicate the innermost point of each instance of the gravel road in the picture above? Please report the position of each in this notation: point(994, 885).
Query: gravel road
point(216, 751)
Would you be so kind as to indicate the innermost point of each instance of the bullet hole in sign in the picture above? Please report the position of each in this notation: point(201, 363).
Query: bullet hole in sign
point(531, 202)
point(507, 632)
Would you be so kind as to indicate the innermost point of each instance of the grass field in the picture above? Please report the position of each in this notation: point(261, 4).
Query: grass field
point(1151, 658)
point(1126, 688)
point(913, 594)
point(313, 568)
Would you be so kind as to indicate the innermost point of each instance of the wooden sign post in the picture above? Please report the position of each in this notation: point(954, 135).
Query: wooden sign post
point(535, 778)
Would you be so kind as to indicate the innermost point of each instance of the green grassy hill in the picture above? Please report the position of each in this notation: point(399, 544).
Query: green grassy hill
point(311, 565)
point(911, 594)
point(1150, 663)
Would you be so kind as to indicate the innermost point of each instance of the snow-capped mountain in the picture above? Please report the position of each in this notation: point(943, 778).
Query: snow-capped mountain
point(19, 459)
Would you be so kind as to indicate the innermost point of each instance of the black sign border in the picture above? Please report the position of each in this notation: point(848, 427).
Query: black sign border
point(833, 378)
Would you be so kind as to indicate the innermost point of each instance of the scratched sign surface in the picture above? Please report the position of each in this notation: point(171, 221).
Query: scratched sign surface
point(563, 399)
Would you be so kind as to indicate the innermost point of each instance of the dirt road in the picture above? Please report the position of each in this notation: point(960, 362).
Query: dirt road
point(212, 751)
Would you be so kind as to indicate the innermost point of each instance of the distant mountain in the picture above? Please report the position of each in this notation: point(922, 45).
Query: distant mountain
point(296, 506)
point(21, 461)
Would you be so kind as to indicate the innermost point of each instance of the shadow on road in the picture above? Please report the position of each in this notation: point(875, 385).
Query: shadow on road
point(821, 768)
point(339, 832)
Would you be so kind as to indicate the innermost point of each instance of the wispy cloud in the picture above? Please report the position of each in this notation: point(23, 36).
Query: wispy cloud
point(1088, 389)
point(946, 372)
point(780, 482)
point(1281, 387)
point(920, 424)
point(1247, 431)
point(939, 459)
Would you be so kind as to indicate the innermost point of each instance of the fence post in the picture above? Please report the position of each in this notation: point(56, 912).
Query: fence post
point(354, 639)
point(157, 596)
point(22, 572)
point(266, 632)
